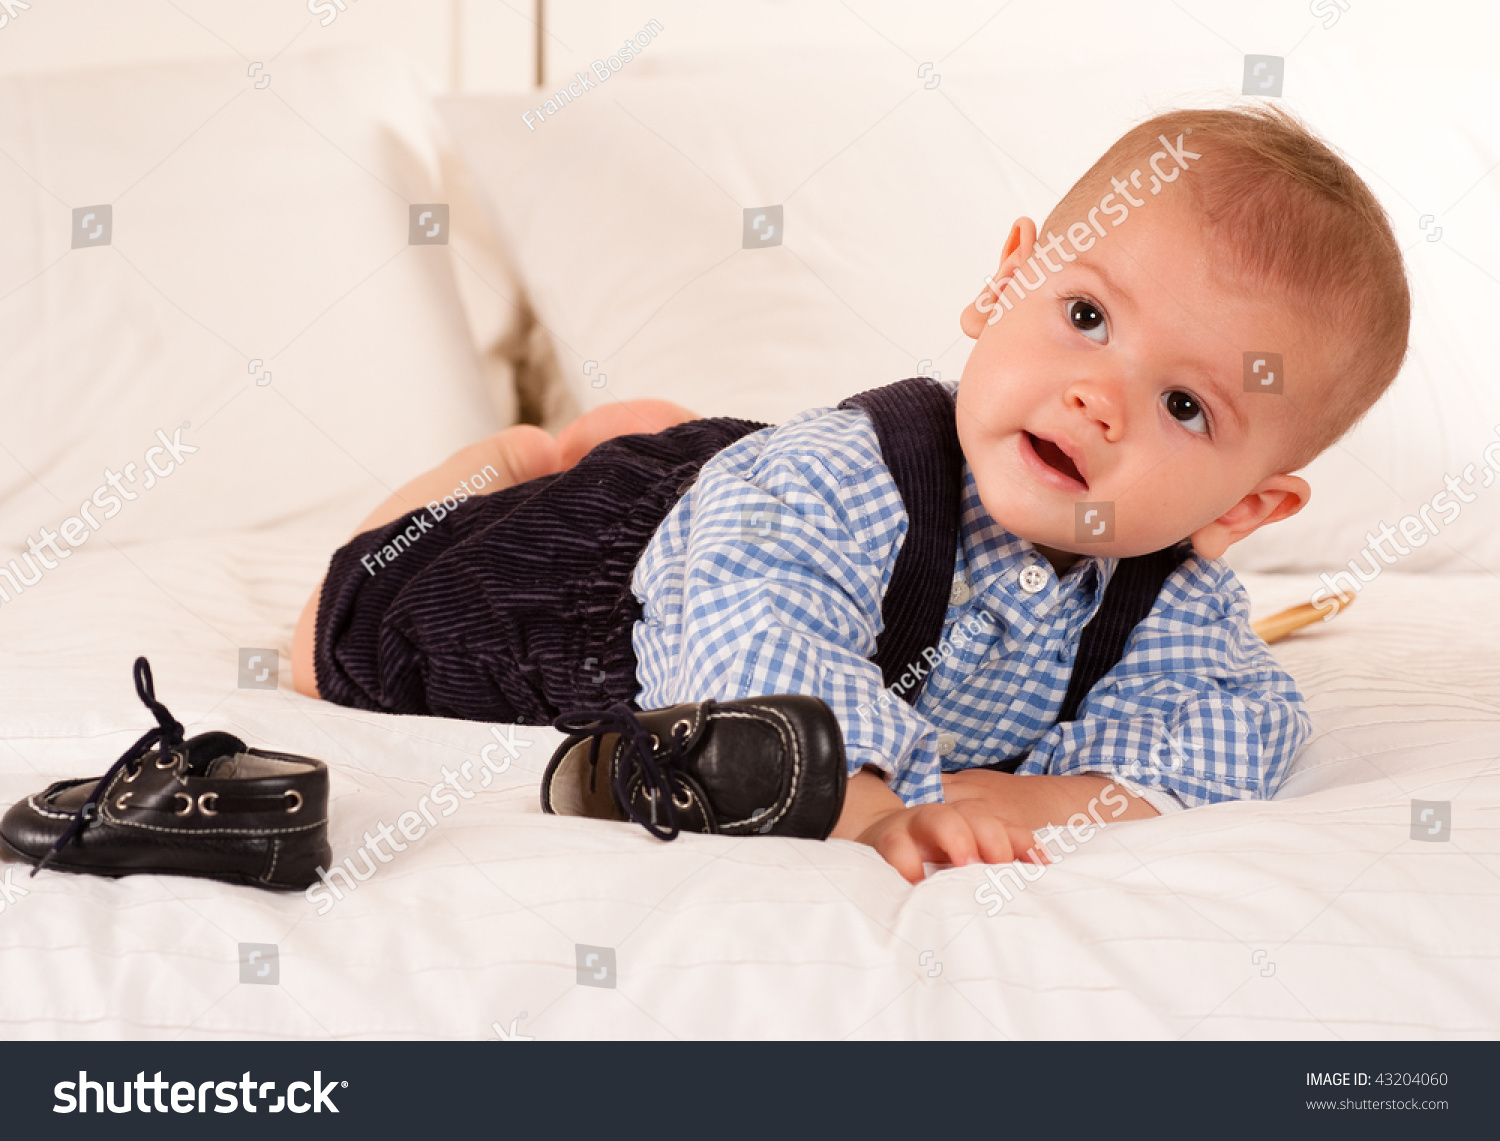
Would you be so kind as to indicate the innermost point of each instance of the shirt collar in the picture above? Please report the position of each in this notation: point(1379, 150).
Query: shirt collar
point(995, 559)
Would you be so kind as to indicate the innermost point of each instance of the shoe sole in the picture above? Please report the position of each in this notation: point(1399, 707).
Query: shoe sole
point(117, 873)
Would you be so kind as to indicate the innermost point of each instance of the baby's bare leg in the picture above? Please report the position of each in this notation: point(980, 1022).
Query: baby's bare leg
point(621, 418)
point(519, 453)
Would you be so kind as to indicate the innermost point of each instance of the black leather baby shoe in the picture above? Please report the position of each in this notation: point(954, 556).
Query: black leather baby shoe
point(206, 806)
point(755, 766)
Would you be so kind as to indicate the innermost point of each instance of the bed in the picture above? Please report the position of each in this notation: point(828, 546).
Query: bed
point(320, 357)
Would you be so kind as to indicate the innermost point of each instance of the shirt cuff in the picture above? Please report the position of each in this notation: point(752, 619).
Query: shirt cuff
point(1158, 798)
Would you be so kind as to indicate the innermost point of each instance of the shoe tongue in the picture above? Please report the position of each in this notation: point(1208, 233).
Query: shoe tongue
point(207, 748)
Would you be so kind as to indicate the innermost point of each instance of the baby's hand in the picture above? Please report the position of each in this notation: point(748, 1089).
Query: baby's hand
point(962, 833)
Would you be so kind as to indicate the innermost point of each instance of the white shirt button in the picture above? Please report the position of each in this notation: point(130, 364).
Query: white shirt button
point(959, 593)
point(947, 742)
point(1033, 579)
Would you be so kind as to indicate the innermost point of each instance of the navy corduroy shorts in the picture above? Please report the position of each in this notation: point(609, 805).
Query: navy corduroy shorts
point(516, 606)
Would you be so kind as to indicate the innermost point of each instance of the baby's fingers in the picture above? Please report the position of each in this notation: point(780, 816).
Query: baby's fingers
point(1000, 841)
point(997, 841)
point(944, 835)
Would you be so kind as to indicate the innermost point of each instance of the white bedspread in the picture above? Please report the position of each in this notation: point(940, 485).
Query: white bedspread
point(1316, 915)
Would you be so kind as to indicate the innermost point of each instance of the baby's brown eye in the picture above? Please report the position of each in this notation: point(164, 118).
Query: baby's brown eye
point(1088, 319)
point(1184, 407)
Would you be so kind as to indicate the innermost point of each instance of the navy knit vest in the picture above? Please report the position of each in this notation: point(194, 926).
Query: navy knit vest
point(915, 422)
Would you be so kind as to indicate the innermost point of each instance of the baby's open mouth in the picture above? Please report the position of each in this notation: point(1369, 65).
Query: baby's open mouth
point(1055, 458)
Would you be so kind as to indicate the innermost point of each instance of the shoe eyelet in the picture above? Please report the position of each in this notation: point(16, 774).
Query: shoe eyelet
point(166, 758)
point(684, 724)
point(122, 800)
point(187, 805)
point(686, 802)
point(204, 801)
point(296, 798)
point(655, 742)
point(131, 774)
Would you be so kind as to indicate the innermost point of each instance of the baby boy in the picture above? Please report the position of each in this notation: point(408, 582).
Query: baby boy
point(1215, 302)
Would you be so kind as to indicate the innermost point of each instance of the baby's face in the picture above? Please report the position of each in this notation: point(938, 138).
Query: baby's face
point(1129, 360)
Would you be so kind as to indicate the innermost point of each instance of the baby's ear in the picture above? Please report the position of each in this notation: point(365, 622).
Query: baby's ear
point(1019, 245)
point(1275, 498)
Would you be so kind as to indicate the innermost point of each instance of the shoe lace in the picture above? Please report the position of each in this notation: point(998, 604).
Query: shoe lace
point(657, 775)
point(168, 732)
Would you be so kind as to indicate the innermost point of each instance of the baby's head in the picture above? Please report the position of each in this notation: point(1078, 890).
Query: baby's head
point(1215, 302)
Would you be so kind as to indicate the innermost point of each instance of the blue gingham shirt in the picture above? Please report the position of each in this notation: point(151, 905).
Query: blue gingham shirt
point(767, 577)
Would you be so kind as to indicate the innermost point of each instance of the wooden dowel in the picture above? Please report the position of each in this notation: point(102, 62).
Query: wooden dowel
point(1277, 626)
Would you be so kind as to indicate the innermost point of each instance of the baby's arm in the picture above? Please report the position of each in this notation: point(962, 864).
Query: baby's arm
point(1197, 711)
point(1039, 800)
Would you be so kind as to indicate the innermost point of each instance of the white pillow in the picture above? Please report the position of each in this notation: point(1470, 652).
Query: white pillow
point(623, 214)
point(248, 223)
